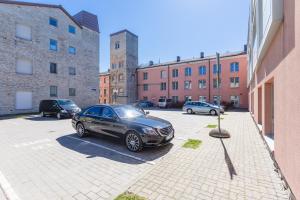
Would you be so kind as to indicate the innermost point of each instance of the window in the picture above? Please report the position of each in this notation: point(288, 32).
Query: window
point(235, 100)
point(53, 21)
point(188, 71)
point(175, 73)
point(188, 98)
point(217, 99)
point(23, 100)
point(202, 98)
point(113, 66)
point(53, 91)
point(72, 50)
point(163, 74)
point(72, 71)
point(175, 85)
point(202, 83)
point(234, 67)
point(53, 68)
point(104, 101)
point(23, 31)
point(163, 86)
point(94, 111)
point(117, 45)
point(145, 98)
point(234, 82)
point(104, 92)
point(145, 86)
point(121, 77)
point(145, 75)
point(187, 85)
point(104, 80)
point(215, 83)
point(113, 78)
point(202, 70)
point(24, 66)
point(72, 29)
point(121, 64)
point(175, 99)
point(53, 45)
point(215, 69)
point(72, 92)
point(121, 91)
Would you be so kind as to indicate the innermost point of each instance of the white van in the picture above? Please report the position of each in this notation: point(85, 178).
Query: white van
point(164, 103)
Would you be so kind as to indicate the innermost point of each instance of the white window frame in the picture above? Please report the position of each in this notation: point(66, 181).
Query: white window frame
point(24, 32)
point(22, 64)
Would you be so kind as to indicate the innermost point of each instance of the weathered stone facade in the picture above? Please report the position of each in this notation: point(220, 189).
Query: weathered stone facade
point(85, 61)
point(123, 65)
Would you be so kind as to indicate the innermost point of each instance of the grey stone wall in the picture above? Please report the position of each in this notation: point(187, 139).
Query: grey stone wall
point(86, 60)
point(127, 54)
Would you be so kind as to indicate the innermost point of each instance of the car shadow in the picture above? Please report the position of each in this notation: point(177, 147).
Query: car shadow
point(40, 118)
point(111, 148)
point(202, 114)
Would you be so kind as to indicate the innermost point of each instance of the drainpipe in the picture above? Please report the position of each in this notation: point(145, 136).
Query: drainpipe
point(209, 80)
point(168, 81)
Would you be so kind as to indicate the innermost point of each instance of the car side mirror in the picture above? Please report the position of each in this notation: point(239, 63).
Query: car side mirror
point(147, 113)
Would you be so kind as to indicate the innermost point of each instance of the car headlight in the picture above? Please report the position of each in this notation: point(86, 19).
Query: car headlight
point(149, 131)
point(64, 111)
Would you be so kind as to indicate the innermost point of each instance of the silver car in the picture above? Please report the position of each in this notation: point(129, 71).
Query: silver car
point(201, 107)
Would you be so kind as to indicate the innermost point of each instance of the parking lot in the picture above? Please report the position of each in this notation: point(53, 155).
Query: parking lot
point(42, 158)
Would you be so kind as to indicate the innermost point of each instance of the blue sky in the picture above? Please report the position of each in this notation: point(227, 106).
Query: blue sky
point(168, 28)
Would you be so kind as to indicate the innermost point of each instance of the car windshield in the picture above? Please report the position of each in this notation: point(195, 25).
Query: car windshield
point(161, 100)
point(65, 102)
point(128, 112)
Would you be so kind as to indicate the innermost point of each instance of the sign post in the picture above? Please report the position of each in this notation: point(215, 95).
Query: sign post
point(219, 133)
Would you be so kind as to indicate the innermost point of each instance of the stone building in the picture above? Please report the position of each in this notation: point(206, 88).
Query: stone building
point(123, 65)
point(46, 53)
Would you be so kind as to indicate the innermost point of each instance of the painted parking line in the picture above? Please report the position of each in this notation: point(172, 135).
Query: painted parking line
point(7, 189)
point(113, 150)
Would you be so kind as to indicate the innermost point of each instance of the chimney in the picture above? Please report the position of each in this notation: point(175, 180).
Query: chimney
point(150, 63)
point(178, 58)
point(245, 48)
point(202, 54)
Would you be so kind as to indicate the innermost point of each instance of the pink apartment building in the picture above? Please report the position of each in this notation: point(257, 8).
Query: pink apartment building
point(273, 79)
point(196, 79)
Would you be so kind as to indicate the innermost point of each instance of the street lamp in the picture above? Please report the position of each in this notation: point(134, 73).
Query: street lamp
point(219, 133)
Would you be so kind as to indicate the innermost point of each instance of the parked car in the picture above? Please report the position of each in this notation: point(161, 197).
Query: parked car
point(59, 107)
point(201, 107)
point(164, 103)
point(125, 122)
point(144, 104)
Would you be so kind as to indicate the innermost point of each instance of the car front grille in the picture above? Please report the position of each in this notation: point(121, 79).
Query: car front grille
point(166, 130)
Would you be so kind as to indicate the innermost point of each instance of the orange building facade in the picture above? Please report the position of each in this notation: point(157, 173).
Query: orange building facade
point(104, 85)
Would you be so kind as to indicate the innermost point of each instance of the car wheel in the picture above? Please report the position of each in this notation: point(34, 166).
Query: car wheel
point(189, 111)
point(133, 142)
point(80, 130)
point(58, 116)
point(213, 112)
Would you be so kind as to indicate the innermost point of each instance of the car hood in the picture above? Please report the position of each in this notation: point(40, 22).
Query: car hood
point(151, 121)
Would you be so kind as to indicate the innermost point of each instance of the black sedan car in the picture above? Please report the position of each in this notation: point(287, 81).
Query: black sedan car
point(136, 128)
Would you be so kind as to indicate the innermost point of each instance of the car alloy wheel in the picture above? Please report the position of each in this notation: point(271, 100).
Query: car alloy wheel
point(133, 142)
point(189, 111)
point(213, 112)
point(80, 130)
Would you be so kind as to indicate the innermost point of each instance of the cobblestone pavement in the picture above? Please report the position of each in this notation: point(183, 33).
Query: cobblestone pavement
point(235, 168)
point(41, 158)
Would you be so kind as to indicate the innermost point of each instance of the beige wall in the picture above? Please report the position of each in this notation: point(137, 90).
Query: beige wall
point(281, 64)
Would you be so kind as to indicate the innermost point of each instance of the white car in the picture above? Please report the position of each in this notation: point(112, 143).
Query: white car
point(164, 103)
point(201, 107)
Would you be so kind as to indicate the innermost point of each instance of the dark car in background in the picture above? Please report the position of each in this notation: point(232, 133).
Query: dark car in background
point(125, 122)
point(60, 108)
point(144, 104)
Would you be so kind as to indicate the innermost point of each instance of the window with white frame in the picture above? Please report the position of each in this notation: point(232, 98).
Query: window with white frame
point(202, 98)
point(188, 98)
point(163, 74)
point(53, 91)
point(163, 86)
point(24, 66)
point(175, 85)
point(216, 99)
point(215, 83)
point(187, 85)
point(234, 82)
point(202, 84)
point(175, 99)
point(234, 67)
point(146, 87)
point(23, 31)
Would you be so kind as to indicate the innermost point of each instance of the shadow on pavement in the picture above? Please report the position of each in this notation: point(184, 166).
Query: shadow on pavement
point(40, 118)
point(230, 166)
point(111, 148)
